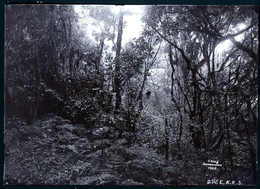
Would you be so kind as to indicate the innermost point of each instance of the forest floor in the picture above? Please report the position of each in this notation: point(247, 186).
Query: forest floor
point(52, 150)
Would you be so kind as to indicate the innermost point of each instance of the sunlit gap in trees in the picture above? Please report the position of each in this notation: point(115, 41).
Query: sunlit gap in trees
point(227, 44)
point(223, 47)
point(132, 21)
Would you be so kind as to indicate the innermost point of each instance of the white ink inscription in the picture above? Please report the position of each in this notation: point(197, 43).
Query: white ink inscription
point(223, 182)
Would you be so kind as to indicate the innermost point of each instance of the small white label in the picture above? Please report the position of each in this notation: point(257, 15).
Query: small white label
point(212, 164)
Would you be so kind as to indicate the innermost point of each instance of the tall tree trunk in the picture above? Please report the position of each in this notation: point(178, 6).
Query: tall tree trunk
point(71, 56)
point(140, 94)
point(201, 121)
point(117, 84)
point(194, 98)
point(100, 54)
point(35, 105)
point(252, 150)
point(166, 139)
point(173, 98)
point(212, 120)
point(102, 77)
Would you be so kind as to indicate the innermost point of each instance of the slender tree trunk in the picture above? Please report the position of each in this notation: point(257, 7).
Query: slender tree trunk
point(101, 75)
point(252, 150)
point(71, 54)
point(36, 85)
point(100, 55)
point(194, 98)
point(172, 67)
point(201, 120)
point(140, 95)
point(166, 140)
point(117, 83)
point(212, 121)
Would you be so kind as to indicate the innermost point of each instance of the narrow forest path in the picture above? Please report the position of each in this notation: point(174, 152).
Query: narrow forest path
point(54, 151)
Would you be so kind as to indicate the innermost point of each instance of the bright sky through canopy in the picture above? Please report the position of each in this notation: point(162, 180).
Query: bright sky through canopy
point(134, 25)
point(227, 44)
point(132, 19)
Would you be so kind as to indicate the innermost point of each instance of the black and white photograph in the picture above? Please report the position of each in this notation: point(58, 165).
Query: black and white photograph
point(163, 95)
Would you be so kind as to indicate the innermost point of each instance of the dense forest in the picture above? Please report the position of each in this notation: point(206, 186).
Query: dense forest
point(177, 105)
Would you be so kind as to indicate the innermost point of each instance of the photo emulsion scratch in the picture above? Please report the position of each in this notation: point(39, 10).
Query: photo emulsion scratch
point(131, 95)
